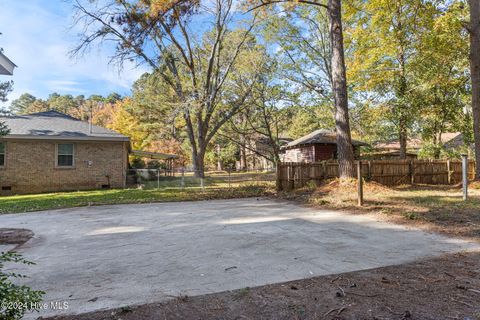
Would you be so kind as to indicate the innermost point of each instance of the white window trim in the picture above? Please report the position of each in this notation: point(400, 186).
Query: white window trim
point(73, 156)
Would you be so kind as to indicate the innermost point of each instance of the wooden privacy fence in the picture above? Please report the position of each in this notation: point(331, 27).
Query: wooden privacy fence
point(291, 175)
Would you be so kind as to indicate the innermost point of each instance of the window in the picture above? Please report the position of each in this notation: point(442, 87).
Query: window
point(65, 155)
point(2, 154)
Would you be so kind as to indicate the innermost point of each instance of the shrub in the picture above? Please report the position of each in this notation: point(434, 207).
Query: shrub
point(15, 299)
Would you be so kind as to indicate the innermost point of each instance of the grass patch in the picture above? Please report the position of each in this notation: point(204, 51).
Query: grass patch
point(45, 201)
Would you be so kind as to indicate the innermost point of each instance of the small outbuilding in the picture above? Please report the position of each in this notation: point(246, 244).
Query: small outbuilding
point(317, 146)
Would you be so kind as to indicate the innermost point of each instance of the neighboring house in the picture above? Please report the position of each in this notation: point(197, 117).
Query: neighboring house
point(388, 155)
point(391, 149)
point(456, 141)
point(6, 65)
point(413, 146)
point(317, 146)
point(51, 151)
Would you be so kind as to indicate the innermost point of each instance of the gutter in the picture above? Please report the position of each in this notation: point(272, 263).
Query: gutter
point(66, 138)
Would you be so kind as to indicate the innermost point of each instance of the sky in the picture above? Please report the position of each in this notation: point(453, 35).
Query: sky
point(37, 36)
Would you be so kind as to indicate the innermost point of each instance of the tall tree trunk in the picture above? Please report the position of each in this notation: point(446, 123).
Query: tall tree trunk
point(475, 73)
point(198, 160)
point(340, 95)
point(243, 158)
point(243, 152)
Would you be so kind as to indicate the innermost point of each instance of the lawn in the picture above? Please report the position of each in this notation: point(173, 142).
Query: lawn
point(44, 201)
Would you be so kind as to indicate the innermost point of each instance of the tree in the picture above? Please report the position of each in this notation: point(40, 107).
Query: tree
point(5, 88)
point(303, 53)
point(474, 29)
point(441, 75)
point(197, 69)
point(385, 36)
point(339, 81)
point(263, 121)
point(22, 103)
point(62, 103)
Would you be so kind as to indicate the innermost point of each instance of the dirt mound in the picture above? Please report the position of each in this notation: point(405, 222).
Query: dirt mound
point(14, 236)
point(349, 186)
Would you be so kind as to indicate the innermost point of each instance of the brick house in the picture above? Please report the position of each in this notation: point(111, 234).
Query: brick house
point(316, 146)
point(51, 151)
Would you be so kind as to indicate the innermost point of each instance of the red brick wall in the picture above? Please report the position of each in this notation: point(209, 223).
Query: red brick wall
point(30, 166)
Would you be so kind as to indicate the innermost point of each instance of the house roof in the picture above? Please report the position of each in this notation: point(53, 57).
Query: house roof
point(455, 141)
point(416, 143)
point(412, 143)
point(382, 154)
point(320, 136)
point(56, 125)
point(6, 65)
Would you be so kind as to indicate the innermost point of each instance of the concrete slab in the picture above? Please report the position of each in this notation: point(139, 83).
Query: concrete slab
point(7, 247)
point(112, 256)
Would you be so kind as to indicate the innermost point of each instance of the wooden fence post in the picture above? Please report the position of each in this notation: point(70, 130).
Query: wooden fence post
point(369, 170)
point(324, 169)
point(412, 171)
point(290, 181)
point(360, 183)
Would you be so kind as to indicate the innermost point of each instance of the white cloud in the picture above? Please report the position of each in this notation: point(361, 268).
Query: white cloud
point(64, 85)
point(37, 38)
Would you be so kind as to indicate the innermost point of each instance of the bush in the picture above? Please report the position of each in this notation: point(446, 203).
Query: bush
point(137, 163)
point(15, 299)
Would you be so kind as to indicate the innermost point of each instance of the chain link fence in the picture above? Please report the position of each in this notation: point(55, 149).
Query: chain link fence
point(184, 178)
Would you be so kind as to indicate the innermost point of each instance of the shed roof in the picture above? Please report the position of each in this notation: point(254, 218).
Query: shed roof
point(56, 125)
point(154, 155)
point(320, 136)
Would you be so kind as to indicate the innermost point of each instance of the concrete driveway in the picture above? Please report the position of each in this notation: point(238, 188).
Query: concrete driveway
point(111, 256)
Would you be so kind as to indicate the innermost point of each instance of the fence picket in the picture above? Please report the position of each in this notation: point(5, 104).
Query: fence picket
point(292, 175)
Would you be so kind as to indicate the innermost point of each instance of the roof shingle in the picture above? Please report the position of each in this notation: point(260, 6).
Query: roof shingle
point(320, 136)
point(54, 124)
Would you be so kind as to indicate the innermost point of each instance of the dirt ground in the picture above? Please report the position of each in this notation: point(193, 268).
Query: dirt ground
point(14, 236)
point(434, 208)
point(440, 288)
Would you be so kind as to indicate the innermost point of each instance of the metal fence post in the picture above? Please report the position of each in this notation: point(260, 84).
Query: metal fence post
point(360, 183)
point(465, 176)
point(449, 172)
point(182, 180)
point(229, 177)
point(202, 181)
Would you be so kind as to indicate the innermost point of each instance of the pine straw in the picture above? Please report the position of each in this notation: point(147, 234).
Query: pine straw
point(438, 208)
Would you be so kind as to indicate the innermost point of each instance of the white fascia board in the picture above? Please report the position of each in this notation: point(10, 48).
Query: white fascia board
point(6, 65)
